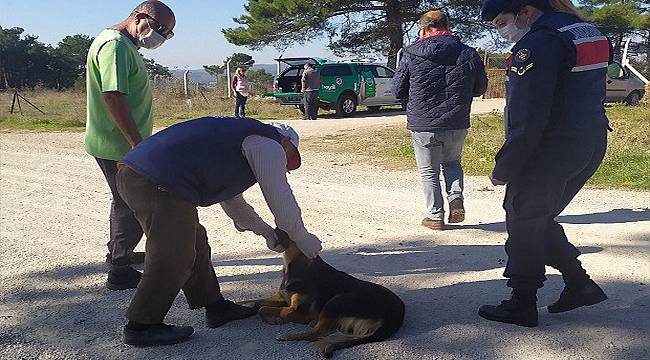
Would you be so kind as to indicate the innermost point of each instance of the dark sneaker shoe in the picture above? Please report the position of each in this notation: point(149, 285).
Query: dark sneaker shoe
point(438, 224)
point(158, 334)
point(225, 311)
point(456, 211)
point(123, 279)
point(511, 311)
point(573, 297)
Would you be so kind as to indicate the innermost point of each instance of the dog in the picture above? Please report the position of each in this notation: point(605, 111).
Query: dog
point(348, 311)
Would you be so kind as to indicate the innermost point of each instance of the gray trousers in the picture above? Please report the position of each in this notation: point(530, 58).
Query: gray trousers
point(177, 252)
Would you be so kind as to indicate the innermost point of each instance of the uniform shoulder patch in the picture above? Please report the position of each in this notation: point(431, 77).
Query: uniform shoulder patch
point(522, 55)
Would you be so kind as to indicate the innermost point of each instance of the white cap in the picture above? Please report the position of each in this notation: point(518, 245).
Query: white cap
point(288, 131)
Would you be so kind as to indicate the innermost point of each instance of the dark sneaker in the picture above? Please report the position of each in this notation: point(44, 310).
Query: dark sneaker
point(512, 311)
point(123, 279)
point(437, 224)
point(225, 311)
point(456, 211)
point(573, 297)
point(158, 334)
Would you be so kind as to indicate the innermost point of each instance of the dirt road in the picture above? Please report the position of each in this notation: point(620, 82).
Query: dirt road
point(54, 224)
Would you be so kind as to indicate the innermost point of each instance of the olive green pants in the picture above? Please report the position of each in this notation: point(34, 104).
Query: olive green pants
point(177, 252)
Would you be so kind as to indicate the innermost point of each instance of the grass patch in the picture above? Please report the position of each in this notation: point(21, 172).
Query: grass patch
point(66, 110)
point(626, 164)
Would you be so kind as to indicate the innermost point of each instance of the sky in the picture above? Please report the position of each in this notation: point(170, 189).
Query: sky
point(197, 41)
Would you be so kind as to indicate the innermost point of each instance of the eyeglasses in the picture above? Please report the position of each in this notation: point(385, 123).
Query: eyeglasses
point(163, 30)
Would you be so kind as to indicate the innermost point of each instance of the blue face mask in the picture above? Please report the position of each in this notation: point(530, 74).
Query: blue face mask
point(512, 33)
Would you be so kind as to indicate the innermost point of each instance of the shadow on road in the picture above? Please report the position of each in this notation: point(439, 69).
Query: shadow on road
point(47, 309)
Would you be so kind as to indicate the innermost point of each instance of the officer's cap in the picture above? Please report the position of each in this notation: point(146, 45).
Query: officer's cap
point(492, 8)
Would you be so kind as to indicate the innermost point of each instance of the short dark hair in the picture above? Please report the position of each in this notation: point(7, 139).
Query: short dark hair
point(435, 19)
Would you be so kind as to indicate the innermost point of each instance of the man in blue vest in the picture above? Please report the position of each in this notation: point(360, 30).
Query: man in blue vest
point(556, 136)
point(202, 162)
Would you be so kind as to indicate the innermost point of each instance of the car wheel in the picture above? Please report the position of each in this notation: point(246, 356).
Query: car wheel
point(374, 108)
point(346, 105)
point(633, 99)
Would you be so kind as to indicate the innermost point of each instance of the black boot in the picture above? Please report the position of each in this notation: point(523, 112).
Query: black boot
point(575, 295)
point(520, 309)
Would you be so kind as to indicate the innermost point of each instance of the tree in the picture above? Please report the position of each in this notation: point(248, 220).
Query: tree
point(621, 20)
point(260, 80)
point(24, 59)
point(353, 27)
point(236, 60)
point(68, 61)
point(154, 69)
point(260, 76)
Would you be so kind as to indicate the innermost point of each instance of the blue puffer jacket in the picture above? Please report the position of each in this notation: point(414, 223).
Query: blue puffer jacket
point(439, 75)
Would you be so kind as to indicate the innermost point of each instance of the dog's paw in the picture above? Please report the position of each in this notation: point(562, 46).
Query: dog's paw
point(282, 337)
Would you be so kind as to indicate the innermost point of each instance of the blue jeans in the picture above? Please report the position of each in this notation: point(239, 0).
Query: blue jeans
point(434, 150)
point(240, 105)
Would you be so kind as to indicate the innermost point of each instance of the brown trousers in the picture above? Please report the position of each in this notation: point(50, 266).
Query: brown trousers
point(177, 252)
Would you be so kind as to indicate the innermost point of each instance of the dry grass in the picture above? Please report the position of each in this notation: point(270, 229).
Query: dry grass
point(66, 110)
point(626, 165)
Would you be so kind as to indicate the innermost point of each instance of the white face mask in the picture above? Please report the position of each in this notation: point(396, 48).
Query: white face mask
point(152, 40)
point(512, 33)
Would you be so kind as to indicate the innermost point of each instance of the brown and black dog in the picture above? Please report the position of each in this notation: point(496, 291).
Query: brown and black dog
point(348, 311)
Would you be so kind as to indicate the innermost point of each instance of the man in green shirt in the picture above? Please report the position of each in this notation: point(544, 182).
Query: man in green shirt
point(120, 115)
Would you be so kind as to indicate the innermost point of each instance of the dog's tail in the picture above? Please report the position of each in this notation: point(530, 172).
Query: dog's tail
point(351, 331)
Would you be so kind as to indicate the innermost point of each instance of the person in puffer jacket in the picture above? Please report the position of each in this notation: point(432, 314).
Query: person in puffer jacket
point(439, 76)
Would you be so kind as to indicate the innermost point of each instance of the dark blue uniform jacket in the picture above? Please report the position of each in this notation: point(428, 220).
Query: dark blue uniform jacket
point(200, 160)
point(439, 75)
point(555, 87)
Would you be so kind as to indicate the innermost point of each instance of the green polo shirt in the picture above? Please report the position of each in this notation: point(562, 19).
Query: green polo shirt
point(114, 64)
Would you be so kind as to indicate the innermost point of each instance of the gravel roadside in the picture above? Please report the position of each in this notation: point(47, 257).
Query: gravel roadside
point(54, 224)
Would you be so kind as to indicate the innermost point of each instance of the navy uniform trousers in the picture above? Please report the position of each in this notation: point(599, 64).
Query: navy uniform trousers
point(557, 170)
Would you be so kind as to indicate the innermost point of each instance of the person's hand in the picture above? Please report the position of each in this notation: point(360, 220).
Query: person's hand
point(272, 242)
point(310, 247)
point(495, 181)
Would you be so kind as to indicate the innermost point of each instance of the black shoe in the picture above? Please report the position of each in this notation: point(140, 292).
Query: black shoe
point(513, 311)
point(225, 311)
point(122, 279)
point(158, 334)
point(572, 297)
point(137, 258)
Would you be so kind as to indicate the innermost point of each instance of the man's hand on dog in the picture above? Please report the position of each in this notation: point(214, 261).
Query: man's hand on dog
point(272, 242)
point(310, 246)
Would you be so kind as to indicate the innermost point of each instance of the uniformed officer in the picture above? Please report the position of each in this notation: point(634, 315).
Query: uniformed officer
point(556, 135)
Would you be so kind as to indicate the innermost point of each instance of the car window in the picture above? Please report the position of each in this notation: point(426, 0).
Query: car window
point(383, 72)
point(293, 72)
point(615, 71)
point(367, 68)
point(336, 70)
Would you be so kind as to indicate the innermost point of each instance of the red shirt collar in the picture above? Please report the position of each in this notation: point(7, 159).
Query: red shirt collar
point(436, 33)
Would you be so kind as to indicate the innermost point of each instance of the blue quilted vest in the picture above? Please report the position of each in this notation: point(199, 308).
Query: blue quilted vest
point(200, 160)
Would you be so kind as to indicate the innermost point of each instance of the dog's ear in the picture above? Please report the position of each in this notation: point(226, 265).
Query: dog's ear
point(283, 238)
